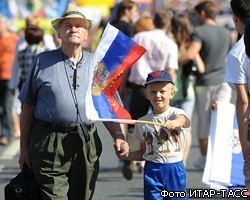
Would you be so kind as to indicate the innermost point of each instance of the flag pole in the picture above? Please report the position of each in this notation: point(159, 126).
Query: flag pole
point(148, 122)
point(125, 121)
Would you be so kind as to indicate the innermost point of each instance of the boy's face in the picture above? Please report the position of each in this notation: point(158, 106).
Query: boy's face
point(159, 95)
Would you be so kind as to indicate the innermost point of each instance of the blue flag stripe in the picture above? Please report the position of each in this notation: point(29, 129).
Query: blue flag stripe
point(103, 107)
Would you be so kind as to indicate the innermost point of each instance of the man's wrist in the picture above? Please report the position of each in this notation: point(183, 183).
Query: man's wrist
point(119, 135)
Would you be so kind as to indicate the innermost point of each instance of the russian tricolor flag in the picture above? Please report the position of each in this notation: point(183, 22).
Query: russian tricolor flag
point(115, 54)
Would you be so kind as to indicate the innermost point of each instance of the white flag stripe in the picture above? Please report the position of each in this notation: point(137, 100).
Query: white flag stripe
point(121, 121)
point(108, 37)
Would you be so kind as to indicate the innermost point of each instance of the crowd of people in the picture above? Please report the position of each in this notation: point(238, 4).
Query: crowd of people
point(187, 67)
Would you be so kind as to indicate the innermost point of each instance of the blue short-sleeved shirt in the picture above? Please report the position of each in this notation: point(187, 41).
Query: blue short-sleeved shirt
point(49, 87)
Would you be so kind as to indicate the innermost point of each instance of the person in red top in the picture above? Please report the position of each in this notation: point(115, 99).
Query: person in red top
point(8, 41)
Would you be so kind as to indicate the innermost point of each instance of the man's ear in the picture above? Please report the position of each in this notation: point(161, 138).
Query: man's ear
point(167, 26)
point(235, 18)
point(86, 37)
point(59, 35)
point(203, 14)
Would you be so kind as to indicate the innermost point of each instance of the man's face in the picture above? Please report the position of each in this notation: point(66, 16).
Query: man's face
point(73, 31)
point(133, 14)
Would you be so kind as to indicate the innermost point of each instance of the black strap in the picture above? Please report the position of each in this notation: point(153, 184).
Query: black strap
point(72, 13)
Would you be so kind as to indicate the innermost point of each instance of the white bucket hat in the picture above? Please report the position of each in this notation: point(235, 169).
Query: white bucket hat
point(72, 11)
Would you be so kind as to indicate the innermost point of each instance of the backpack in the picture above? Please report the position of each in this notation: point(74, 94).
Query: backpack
point(23, 186)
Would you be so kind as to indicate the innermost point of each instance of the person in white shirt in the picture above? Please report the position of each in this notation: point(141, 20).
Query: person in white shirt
point(237, 75)
point(162, 54)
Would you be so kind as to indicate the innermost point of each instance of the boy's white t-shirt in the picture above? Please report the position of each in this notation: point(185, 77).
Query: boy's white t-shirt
point(161, 145)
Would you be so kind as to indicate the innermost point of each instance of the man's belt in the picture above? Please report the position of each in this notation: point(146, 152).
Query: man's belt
point(66, 127)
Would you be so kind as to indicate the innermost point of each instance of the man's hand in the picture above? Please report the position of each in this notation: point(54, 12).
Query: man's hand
point(24, 158)
point(120, 145)
point(246, 149)
point(214, 105)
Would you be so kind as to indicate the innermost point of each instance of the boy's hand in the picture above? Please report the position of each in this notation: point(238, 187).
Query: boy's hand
point(169, 125)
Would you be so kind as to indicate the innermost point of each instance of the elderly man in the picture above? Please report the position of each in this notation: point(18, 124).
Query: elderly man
point(57, 140)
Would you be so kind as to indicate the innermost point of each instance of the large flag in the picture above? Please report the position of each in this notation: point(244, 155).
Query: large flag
point(115, 54)
point(224, 165)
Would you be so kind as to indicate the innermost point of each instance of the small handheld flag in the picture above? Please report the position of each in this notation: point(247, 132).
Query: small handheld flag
point(115, 54)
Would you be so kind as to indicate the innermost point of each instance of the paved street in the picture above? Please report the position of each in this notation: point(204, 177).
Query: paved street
point(111, 185)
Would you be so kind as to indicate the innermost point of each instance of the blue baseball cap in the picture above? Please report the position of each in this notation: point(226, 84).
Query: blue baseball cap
point(158, 76)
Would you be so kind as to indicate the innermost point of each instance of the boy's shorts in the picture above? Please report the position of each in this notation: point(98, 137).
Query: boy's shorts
point(164, 181)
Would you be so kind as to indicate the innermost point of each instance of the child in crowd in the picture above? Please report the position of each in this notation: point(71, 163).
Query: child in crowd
point(162, 142)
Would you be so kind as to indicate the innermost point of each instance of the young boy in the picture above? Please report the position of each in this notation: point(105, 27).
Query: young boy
point(162, 146)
